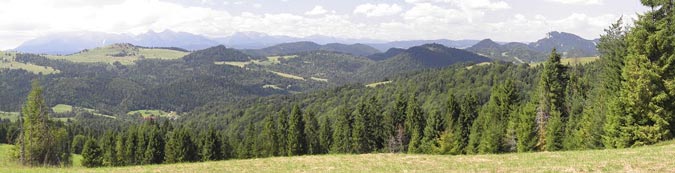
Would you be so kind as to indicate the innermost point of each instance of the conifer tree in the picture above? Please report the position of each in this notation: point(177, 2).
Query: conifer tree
point(325, 136)
point(41, 142)
point(551, 94)
point(154, 152)
point(296, 133)
point(269, 137)
point(282, 132)
point(92, 156)
point(312, 133)
point(526, 128)
point(210, 146)
point(414, 124)
point(343, 131)
point(360, 133)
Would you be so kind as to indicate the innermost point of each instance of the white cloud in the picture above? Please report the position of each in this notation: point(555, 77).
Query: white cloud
point(377, 10)
point(579, 2)
point(468, 4)
point(317, 10)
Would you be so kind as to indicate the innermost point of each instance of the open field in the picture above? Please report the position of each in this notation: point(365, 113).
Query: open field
point(63, 108)
point(12, 116)
point(572, 61)
point(7, 61)
point(123, 53)
point(156, 113)
point(657, 158)
point(376, 84)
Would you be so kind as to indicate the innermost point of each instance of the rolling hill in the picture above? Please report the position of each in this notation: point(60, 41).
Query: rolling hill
point(122, 52)
point(305, 46)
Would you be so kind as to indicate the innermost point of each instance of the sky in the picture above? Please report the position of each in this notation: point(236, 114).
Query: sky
point(389, 20)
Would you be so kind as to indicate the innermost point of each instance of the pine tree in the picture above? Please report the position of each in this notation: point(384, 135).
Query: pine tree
point(343, 131)
point(551, 93)
point(130, 147)
point(120, 156)
point(210, 146)
point(269, 137)
point(325, 136)
point(435, 125)
point(78, 144)
point(394, 124)
point(448, 141)
point(312, 133)
point(414, 124)
point(154, 152)
point(526, 128)
point(107, 144)
point(296, 133)
point(92, 156)
point(282, 132)
point(498, 112)
point(246, 147)
point(41, 142)
point(360, 133)
point(180, 147)
point(468, 114)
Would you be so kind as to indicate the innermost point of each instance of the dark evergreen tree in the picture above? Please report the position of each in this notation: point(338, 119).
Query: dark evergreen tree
point(282, 132)
point(154, 152)
point(78, 144)
point(312, 133)
point(343, 131)
point(526, 128)
point(92, 156)
point(414, 124)
point(325, 136)
point(269, 137)
point(551, 94)
point(296, 133)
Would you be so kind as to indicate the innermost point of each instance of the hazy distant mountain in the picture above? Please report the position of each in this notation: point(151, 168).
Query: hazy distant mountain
point(257, 40)
point(170, 38)
point(568, 44)
point(253, 40)
point(510, 52)
point(459, 44)
point(306, 46)
point(386, 55)
point(71, 42)
point(421, 57)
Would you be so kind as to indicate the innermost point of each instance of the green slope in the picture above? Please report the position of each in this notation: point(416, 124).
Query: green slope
point(123, 53)
point(657, 158)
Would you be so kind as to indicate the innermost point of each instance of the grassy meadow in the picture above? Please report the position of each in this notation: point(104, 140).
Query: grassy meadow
point(123, 53)
point(656, 158)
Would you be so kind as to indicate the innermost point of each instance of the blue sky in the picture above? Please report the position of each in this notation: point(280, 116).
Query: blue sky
point(501, 20)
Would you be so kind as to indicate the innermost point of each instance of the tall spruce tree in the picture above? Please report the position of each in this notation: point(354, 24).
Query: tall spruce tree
point(92, 156)
point(269, 137)
point(312, 133)
point(41, 141)
point(414, 124)
point(296, 133)
point(343, 131)
point(551, 94)
point(325, 136)
point(498, 111)
point(526, 128)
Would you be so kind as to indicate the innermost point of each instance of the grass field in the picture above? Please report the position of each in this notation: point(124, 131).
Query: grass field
point(657, 158)
point(63, 108)
point(156, 113)
point(376, 84)
point(572, 61)
point(123, 53)
point(7, 61)
point(12, 116)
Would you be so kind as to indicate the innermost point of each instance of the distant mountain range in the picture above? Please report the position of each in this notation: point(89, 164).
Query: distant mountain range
point(72, 42)
point(306, 46)
point(260, 44)
point(569, 45)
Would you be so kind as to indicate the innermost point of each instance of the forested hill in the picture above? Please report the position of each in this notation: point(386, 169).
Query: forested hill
point(120, 78)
